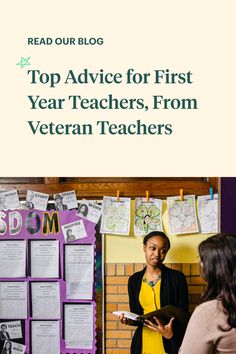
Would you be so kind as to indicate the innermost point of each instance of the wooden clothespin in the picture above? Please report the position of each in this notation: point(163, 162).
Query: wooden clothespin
point(211, 193)
point(147, 197)
point(181, 194)
point(117, 196)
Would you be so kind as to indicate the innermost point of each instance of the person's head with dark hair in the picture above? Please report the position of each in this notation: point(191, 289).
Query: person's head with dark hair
point(58, 200)
point(58, 197)
point(218, 260)
point(155, 245)
point(158, 234)
point(3, 327)
point(69, 235)
point(8, 345)
point(68, 232)
point(83, 209)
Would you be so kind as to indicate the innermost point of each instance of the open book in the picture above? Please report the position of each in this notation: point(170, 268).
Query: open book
point(164, 315)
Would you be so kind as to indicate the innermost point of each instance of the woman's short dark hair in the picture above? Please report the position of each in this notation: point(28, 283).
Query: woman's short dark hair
point(8, 343)
point(159, 234)
point(218, 259)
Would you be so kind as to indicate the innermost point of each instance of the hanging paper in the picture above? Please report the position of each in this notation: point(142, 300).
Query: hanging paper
point(35, 200)
point(9, 200)
point(90, 211)
point(148, 216)
point(65, 200)
point(208, 213)
point(182, 215)
point(115, 216)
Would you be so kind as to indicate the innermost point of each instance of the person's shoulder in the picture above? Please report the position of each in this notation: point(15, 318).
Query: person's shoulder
point(208, 305)
point(136, 275)
point(206, 309)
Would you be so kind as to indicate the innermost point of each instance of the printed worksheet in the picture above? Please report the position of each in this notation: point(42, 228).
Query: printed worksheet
point(44, 259)
point(208, 213)
point(148, 216)
point(45, 336)
point(182, 216)
point(35, 200)
point(79, 326)
point(13, 300)
point(12, 259)
point(45, 300)
point(79, 271)
point(115, 216)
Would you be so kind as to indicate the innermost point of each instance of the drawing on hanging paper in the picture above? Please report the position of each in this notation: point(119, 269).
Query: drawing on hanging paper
point(208, 213)
point(148, 216)
point(182, 215)
point(115, 216)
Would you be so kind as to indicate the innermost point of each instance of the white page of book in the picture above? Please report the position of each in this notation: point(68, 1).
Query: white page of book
point(45, 259)
point(13, 300)
point(79, 326)
point(45, 337)
point(45, 300)
point(12, 259)
point(127, 314)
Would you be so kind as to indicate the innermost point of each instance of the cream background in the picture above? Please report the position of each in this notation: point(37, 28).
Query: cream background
point(182, 36)
point(129, 249)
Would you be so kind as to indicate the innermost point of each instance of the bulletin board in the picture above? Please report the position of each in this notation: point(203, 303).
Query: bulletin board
point(32, 328)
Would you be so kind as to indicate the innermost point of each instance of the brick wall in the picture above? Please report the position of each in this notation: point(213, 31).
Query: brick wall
point(118, 336)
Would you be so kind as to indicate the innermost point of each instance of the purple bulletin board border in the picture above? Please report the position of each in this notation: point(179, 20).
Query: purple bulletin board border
point(65, 217)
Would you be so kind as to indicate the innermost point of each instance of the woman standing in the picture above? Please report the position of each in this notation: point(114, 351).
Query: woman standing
point(212, 327)
point(154, 287)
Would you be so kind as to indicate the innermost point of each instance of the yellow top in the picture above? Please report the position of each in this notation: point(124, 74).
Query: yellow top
point(149, 299)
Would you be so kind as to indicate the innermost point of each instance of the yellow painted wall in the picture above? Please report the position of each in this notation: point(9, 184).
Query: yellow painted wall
point(129, 249)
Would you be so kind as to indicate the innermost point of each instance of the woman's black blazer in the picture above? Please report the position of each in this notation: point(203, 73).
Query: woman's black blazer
point(174, 291)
